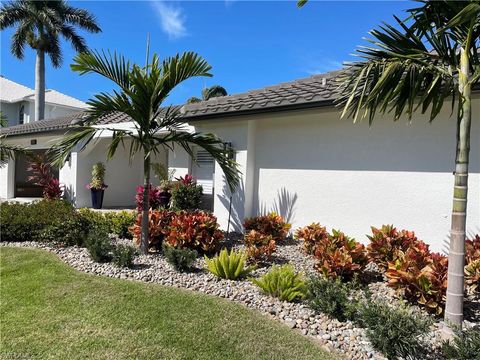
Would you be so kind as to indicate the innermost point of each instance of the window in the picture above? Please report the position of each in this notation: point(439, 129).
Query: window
point(21, 114)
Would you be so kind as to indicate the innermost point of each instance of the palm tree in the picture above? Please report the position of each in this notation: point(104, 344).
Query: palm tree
point(140, 96)
point(430, 58)
point(209, 93)
point(39, 25)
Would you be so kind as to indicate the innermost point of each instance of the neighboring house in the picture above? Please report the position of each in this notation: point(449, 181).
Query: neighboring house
point(17, 103)
point(298, 158)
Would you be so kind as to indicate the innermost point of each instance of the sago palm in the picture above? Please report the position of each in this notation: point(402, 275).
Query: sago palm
point(40, 24)
point(141, 93)
point(426, 61)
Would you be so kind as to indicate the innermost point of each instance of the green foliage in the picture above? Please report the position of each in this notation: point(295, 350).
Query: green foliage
point(99, 245)
point(119, 222)
point(123, 255)
point(229, 265)
point(331, 297)
point(28, 222)
point(186, 196)
point(98, 177)
point(464, 346)
point(181, 259)
point(394, 331)
point(94, 218)
point(282, 282)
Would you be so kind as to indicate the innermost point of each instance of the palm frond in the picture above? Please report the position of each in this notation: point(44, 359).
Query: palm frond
point(76, 139)
point(9, 151)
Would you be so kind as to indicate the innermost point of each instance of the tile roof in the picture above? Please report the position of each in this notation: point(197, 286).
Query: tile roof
point(307, 91)
point(10, 91)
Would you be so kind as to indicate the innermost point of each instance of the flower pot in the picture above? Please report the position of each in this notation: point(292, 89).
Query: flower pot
point(165, 197)
point(97, 198)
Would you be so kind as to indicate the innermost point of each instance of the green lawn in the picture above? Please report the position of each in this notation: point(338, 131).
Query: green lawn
point(50, 311)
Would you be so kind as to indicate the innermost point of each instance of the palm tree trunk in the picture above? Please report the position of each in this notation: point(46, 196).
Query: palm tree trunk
point(40, 85)
point(146, 190)
point(456, 255)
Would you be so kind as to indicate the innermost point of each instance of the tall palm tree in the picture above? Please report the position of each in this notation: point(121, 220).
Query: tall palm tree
point(140, 96)
point(40, 25)
point(209, 93)
point(427, 60)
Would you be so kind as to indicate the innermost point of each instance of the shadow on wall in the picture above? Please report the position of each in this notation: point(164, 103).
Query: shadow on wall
point(470, 235)
point(284, 205)
point(238, 202)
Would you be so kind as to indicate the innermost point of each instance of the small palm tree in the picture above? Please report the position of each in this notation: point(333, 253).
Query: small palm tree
point(209, 93)
point(140, 96)
point(426, 61)
point(39, 25)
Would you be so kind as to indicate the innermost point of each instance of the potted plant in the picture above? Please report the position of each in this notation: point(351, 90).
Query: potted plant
point(165, 193)
point(97, 186)
point(165, 177)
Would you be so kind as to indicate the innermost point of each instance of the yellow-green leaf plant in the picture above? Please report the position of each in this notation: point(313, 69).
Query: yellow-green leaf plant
point(229, 265)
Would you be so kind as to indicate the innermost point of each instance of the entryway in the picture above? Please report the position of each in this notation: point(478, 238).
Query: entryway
point(23, 187)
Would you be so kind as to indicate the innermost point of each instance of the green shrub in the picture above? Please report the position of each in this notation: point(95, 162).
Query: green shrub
point(282, 282)
point(99, 245)
point(394, 331)
point(180, 259)
point(229, 265)
point(119, 222)
point(331, 297)
point(94, 219)
point(464, 346)
point(27, 222)
point(123, 255)
point(72, 231)
point(186, 194)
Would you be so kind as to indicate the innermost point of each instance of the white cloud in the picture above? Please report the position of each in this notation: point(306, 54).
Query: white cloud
point(322, 66)
point(171, 18)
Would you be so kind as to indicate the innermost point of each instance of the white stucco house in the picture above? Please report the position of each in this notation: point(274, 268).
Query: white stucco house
point(298, 158)
point(17, 103)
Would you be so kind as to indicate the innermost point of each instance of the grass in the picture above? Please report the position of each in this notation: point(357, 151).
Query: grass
point(51, 311)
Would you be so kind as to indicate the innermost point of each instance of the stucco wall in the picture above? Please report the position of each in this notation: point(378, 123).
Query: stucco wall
point(312, 166)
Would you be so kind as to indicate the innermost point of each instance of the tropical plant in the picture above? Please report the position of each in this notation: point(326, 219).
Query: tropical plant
point(282, 282)
point(153, 197)
point(99, 246)
point(472, 269)
point(98, 177)
point(340, 256)
point(186, 194)
point(229, 265)
point(394, 331)
point(421, 277)
point(119, 222)
point(387, 244)
point(40, 24)
point(426, 60)
point(259, 246)
point(140, 96)
point(270, 224)
point(42, 176)
point(158, 223)
point(181, 259)
point(311, 235)
point(209, 93)
point(197, 230)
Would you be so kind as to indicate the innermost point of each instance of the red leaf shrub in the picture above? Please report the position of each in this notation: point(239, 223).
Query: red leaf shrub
point(339, 256)
point(311, 235)
point(158, 223)
point(472, 268)
point(387, 244)
point(197, 230)
point(271, 224)
point(259, 245)
point(421, 276)
point(42, 176)
point(153, 197)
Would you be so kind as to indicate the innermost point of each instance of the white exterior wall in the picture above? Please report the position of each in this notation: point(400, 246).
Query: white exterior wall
point(311, 166)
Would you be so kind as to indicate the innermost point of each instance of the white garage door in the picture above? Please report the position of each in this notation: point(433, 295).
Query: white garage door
point(203, 171)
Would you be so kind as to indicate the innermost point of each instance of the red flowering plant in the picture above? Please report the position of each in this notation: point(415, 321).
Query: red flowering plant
point(42, 176)
point(153, 197)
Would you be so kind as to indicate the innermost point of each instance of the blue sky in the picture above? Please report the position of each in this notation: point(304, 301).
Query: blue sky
point(248, 44)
